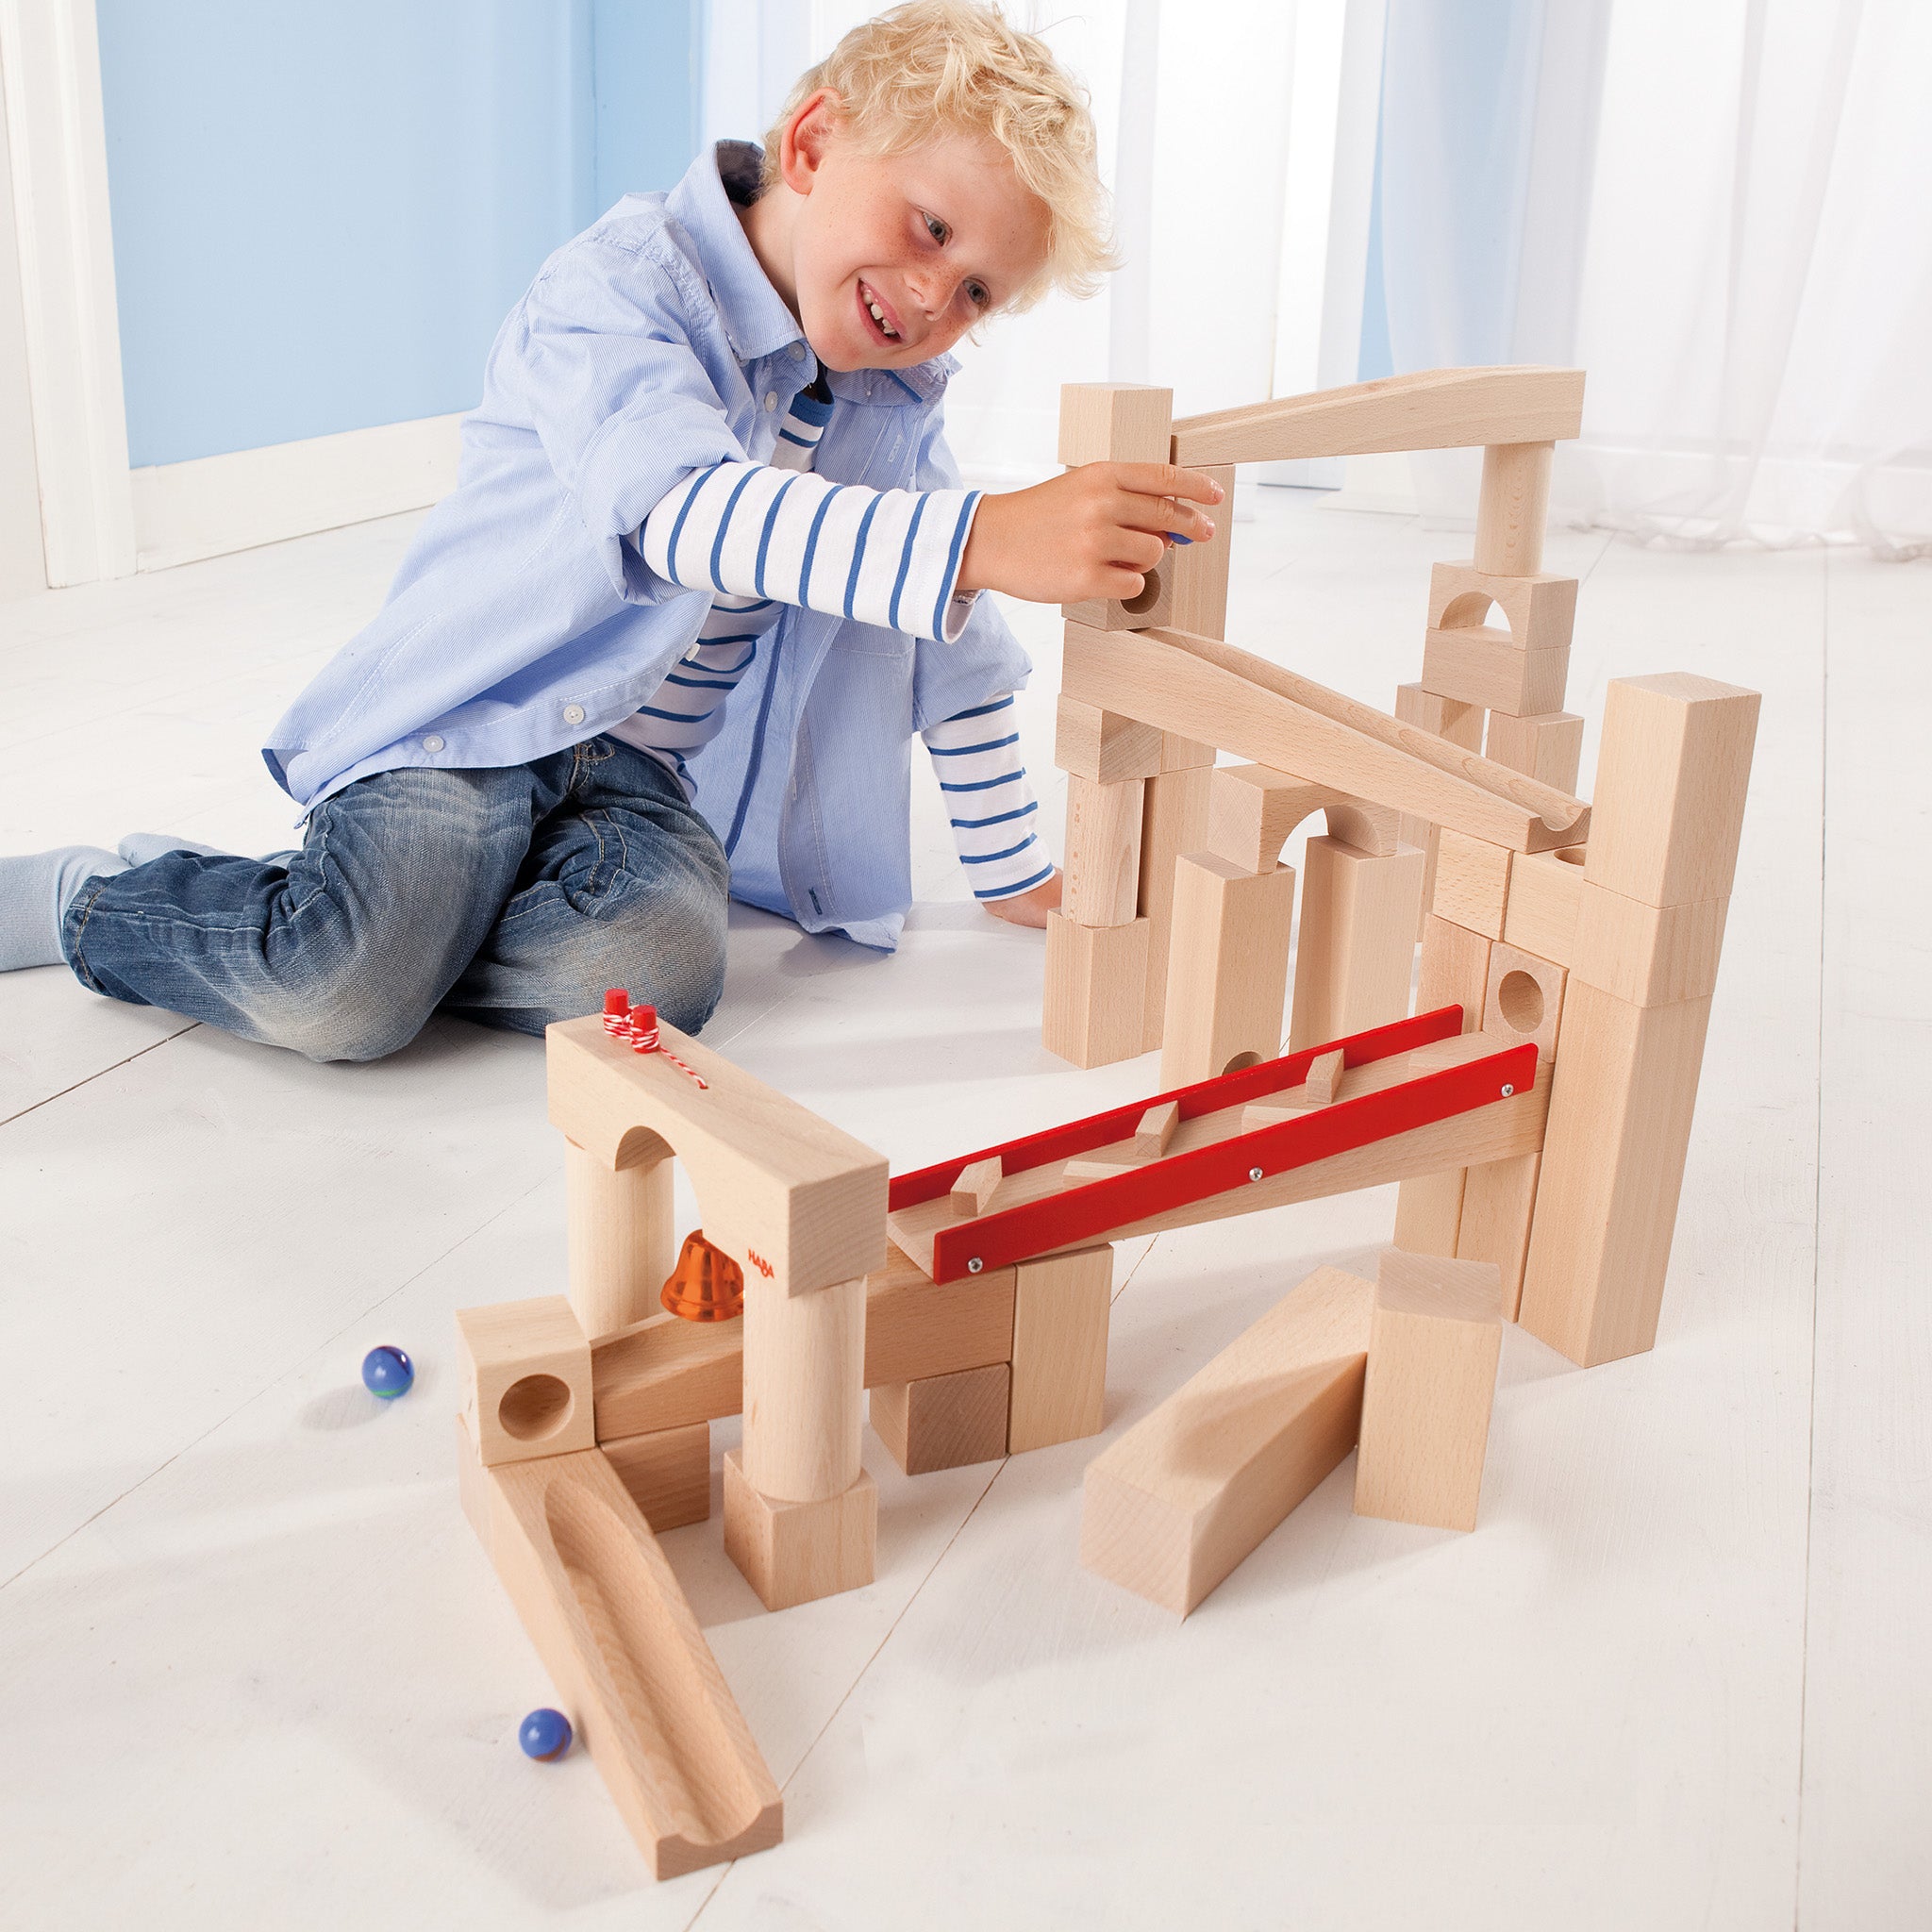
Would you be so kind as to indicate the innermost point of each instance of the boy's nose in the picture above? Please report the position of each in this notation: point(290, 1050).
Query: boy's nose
point(932, 292)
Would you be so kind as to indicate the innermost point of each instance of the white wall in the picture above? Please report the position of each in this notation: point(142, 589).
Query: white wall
point(21, 567)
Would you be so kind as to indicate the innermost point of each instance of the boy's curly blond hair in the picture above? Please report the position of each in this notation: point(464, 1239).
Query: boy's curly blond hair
point(955, 67)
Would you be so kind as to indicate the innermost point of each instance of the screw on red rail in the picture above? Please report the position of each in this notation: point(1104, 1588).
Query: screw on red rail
point(642, 1026)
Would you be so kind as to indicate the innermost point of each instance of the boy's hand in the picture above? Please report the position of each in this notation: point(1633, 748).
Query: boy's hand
point(1028, 909)
point(1093, 532)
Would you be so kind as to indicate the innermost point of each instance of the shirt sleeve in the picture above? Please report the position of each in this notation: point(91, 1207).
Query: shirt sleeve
point(994, 813)
point(885, 557)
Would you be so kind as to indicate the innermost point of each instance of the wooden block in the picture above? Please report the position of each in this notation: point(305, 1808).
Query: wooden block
point(944, 1422)
point(1227, 970)
point(1156, 1130)
point(974, 1191)
point(1095, 744)
point(1650, 956)
point(1480, 666)
point(1179, 754)
point(1174, 821)
point(1672, 774)
point(1513, 507)
point(1524, 998)
point(915, 1328)
point(1428, 1212)
point(1498, 1205)
point(667, 1472)
point(1454, 971)
point(526, 1379)
point(1059, 1348)
point(1457, 724)
point(1471, 883)
point(1096, 990)
point(1433, 1348)
point(1545, 890)
point(803, 1390)
point(1197, 573)
point(1549, 747)
point(624, 1650)
point(1250, 812)
point(1613, 1167)
point(1321, 1077)
point(795, 1553)
point(1539, 612)
point(1114, 422)
point(1190, 1490)
point(1102, 852)
point(621, 1239)
point(1356, 953)
point(789, 1197)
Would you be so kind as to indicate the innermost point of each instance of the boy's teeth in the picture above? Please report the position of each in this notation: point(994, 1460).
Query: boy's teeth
point(878, 315)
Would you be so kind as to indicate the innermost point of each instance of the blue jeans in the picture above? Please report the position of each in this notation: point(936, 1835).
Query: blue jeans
point(512, 897)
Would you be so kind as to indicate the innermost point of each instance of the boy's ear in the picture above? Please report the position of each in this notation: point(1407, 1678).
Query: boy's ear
point(808, 136)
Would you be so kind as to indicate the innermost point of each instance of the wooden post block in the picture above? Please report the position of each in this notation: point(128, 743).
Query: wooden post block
point(1428, 1212)
point(1174, 821)
point(1650, 956)
point(974, 1191)
point(1549, 747)
point(1545, 890)
point(1102, 863)
point(1480, 666)
point(1471, 883)
point(1095, 744)
point(1190, 1490)
point(620, 1645)
point(1059, 1348)
point(795, 1553)
point(1433, 1348)
point(1524, 998)
point(1156, 1130)
point(1227, 976)
point(1119, 423)
point(1512, 509)
point(1096, 991)
point(944, 1422)
point(804, 1390)
point(526, 1379)
point(668, 1474)
point(1197, 573)
point(1356, 956)
point(1539, 612)
point(621, 1239)
point(1461, 725)
point(1672, 774)
point(1454, 971)
point(1613, 1167)
point(1498, 1205)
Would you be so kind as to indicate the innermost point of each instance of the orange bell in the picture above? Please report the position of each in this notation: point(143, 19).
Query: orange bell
point(706, 1284)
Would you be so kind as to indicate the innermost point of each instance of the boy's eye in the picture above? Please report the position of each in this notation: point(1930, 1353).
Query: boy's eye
point(978, 295)
point(937, 229)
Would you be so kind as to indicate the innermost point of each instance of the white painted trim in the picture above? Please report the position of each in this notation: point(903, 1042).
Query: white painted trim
point(214, 504)
point(50, 64)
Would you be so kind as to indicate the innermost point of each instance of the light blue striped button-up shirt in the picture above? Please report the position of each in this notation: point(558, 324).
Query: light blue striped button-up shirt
point(522, 622)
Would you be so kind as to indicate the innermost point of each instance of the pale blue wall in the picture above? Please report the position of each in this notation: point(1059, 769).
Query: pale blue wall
point(322, 214)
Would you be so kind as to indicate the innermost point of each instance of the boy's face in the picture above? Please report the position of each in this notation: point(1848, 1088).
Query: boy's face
point(893, 257)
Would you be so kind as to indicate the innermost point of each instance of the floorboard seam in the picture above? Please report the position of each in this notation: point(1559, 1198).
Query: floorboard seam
point(87, 1081)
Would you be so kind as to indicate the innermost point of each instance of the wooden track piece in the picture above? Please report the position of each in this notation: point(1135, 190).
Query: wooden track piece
point(1650, 956)
point(794, 1553)
point(1513, 506)
point(1096, 991)
point(1524, 998)
point(1174, 821)
point(944, 1422)
point(1549, 746)
point(1095, 744)
point(1539, 612)
point(1545, 890)
point(1227, 978)
point(1433, 1348)
point(627, 1659)
point(1059, 1348)
point(974, 1191)
point(526, 1379)
point(621, 1239)
point(1481, 666)
point(1356, 955)
point(1190, 1490)
point(1102, 852)
point(786, 1194)
point(668, 1474)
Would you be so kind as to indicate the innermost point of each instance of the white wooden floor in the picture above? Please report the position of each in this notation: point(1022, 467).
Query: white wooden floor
point(254, 1671)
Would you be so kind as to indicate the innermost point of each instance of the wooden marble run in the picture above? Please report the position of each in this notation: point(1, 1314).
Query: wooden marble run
point(1534, 1111)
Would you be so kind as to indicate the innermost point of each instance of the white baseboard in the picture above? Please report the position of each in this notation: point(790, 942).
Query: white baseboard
point(214, 504)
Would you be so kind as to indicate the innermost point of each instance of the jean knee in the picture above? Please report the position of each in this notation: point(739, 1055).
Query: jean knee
point(345, 1017)
point(667, 950)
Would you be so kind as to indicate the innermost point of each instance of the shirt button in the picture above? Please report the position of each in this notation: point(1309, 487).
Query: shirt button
point(432, 742)
point(771, 399)
point(573, 714)
point(796, 352)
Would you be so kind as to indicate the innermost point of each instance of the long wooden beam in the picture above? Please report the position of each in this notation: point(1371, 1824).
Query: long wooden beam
point(1436, 409)
point(1230, 699)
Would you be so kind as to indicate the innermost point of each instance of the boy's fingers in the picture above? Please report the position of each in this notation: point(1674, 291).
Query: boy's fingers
point(1167, 479)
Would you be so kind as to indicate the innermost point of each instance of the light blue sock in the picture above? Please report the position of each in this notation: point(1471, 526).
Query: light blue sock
point(139, 847)
point(35, 889)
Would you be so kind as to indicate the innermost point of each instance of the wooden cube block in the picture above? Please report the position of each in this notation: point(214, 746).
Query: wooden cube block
point(668, 1474)
point(1059, 1348)
point(1183, 1496)
point(1115, 423)
point(1524, 998)
point(794, 1553)
point(1454, 971)
point(1103, 746)
point(1096, 984)
point(1672, 774)
point(1480, 666)
point(944, 1422)
point(1174, 821)
point(1650, 956)
point(1545, 888)
point(1471, 883)
point(1498, 1205)
point(1102, 852)
point(1227, 970)
point(527, 1376)
point(1540, 611)
point(1355, 958)
point(1434, 1342)
point(1548, 747)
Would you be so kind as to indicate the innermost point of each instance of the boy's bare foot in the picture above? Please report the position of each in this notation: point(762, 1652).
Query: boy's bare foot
point(1028, 909)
